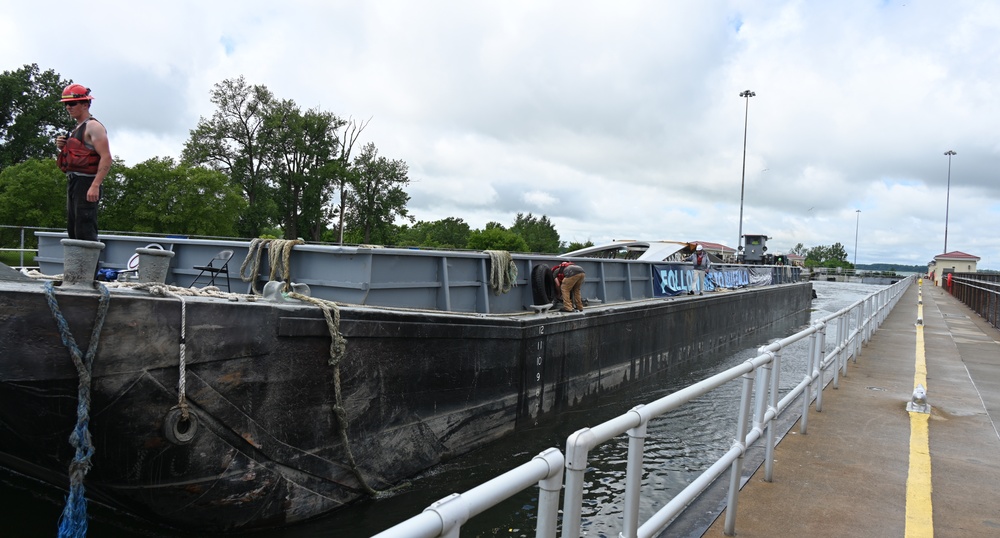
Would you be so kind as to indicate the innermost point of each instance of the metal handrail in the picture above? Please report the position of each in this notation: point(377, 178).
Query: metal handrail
point(761, 370)
point(446, 516)
point(980, 292)
point(759, 406)
point(20, 248)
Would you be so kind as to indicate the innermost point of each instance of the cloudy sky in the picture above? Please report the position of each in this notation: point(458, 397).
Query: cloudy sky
point(615, 119)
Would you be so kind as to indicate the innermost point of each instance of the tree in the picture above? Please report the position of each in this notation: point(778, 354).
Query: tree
point(538, 233)
point(377, 197)
point(495, 237)
point(446, 233)
point(160, 196)
point(827, 256)
point(232, 141)
point(33, 193)
point(343, 174)
point(577, 246)
point(798, 249)
point(303, 147)
point(30, 114)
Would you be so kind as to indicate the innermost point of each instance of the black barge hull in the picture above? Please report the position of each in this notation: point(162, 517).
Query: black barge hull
point(417, 388)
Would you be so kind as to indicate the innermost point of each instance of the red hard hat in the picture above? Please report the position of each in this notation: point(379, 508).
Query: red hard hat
point(76, 92)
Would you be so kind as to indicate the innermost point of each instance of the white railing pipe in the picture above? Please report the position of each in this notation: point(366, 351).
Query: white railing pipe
point(446, 516)
point(633, 478)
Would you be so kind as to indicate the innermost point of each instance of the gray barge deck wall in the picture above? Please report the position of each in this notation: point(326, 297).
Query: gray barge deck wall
point(435, 280)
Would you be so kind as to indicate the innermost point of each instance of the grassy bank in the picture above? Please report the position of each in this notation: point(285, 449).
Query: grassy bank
point(14, 258)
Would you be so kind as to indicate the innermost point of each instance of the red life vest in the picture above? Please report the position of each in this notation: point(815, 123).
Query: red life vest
point(75, 156)
point(557, 273)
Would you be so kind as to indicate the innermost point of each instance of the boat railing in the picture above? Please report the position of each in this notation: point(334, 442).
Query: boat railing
point(980, 292)
point(760, 403)
point(25, 243)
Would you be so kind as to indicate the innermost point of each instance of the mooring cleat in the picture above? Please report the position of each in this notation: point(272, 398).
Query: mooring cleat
point(918, 402)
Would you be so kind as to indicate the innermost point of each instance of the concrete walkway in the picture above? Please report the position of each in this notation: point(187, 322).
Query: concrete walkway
point(848, 475)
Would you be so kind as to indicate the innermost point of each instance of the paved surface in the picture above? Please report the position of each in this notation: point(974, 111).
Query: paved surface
point(848, 475)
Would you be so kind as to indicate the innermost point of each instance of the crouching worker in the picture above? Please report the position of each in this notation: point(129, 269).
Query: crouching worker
point(569, 278)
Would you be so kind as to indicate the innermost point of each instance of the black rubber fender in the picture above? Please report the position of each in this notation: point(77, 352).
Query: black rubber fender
point(543, 285)
point(176, 429)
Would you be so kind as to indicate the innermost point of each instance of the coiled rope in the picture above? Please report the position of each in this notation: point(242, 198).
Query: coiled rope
point(73, 521)
point(338, 348)
point(279, 255)
point(503, 271)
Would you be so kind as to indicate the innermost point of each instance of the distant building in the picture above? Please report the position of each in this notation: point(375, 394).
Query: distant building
point(796, 259)
point(715, 249)
point(951, 262)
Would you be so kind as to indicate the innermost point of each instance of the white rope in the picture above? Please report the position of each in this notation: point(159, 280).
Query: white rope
point(182, 373)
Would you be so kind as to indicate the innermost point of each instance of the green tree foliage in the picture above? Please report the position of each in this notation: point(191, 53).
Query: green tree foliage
point(160, 196)
point(233, 142)
point(288, 163)
point(893, 267)
point(798, 249)
point(33, 193)
point(30, 114)
point(303, 145)
point(446, 233)
point(827, 256)
point(577, 246)
point(539, 233)
point(377, 197)
point(495, 237)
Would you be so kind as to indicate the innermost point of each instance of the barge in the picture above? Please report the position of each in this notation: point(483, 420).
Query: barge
point(218, 411)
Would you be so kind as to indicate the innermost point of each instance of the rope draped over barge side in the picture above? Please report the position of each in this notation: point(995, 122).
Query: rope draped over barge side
point(73, 521)
point(75, 518)
point(279, 254)
point(338, 348)
point(279, 258)
point(503, 271)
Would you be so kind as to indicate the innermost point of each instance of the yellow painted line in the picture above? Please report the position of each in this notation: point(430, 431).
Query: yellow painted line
point(919, 509)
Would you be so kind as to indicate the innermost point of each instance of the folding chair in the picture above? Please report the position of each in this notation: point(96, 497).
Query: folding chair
point(219, 265)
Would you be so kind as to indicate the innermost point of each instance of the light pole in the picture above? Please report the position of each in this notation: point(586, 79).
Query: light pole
point(857, 225)
point(746, 94)
point(947, 201)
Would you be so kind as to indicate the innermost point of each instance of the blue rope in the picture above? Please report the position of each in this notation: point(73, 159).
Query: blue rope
point(73, 521)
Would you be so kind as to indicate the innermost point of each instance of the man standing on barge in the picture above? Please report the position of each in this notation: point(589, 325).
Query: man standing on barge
point(85, 156)
point(701, 264)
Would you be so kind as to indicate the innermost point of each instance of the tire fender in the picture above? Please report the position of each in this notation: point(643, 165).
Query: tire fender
point(543, 285)
point(176, 429)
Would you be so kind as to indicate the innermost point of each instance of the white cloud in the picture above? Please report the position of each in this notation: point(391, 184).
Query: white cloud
point(615, 120)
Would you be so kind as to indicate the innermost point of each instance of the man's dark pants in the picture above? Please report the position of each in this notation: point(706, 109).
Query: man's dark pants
point(81, 215)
